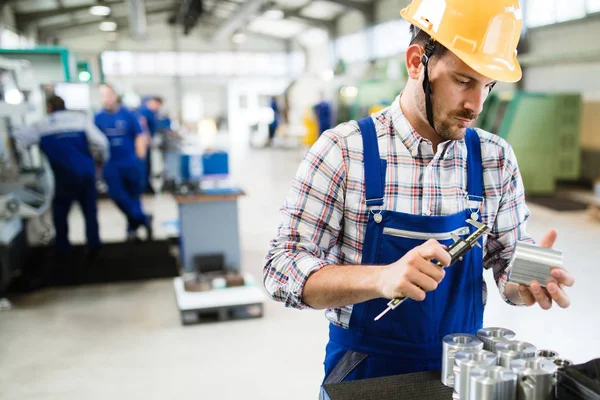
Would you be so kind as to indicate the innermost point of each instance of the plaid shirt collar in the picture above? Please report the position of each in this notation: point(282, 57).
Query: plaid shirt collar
point(412, 140)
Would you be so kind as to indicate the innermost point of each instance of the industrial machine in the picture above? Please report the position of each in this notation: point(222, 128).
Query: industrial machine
point(26, 179)
point(543, 130)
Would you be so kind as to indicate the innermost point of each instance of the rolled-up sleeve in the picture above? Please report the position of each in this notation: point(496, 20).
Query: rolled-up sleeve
point(309, 234)
point(510, 225)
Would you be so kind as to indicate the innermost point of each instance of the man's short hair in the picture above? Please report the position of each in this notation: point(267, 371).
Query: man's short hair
point(55, 103)
point(421, 38)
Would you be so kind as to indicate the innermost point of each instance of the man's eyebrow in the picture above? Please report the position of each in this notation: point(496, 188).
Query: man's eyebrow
point(472, 78)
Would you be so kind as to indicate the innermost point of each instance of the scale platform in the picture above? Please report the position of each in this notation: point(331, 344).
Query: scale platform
point(219, 304)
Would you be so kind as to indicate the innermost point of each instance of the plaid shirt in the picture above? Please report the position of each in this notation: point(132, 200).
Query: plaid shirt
point(324, 217)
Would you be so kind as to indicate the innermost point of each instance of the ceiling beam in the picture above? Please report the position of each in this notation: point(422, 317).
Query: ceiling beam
point(27, 18)
point(120, 21)
point(329, 26)
point(367, 9)
point(237, 19)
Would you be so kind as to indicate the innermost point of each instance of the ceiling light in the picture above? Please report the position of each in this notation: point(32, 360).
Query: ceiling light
point(273, 14)
point(238, 38)
point(108, 26)
point(100, 11)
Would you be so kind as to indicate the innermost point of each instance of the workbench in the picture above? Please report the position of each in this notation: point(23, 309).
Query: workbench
point(417, 386)
point(208, 224)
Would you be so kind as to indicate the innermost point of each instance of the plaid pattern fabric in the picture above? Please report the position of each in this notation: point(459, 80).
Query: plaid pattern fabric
point(324, 216)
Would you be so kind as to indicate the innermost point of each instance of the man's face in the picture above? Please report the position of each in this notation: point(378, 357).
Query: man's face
point(154, 105)
point(108, 97)
point(457, 97)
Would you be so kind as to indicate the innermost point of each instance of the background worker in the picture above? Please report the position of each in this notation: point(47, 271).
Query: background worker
point(148, 112)
point(374, 202)
point(73, 145)
point(124, 172)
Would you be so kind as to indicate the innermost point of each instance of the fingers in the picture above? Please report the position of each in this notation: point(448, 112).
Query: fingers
point(414, 292)
point(558, 295)
point(549, 238)
point(526, 295)
point(423, 281)
point(432, 249)
point(562, 277)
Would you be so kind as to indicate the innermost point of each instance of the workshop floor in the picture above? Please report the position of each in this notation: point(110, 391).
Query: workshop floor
point(125, 341)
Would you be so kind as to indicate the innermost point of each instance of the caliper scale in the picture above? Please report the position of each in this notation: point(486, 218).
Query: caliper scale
point(457, 250)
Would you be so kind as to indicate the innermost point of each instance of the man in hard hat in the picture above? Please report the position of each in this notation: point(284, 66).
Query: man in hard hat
point(73, 145)
point(124, 172)
point(374, 202)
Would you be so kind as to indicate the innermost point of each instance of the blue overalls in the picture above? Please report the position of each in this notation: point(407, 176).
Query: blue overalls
point(123, 173)
point(152, 125)
point(409, 338)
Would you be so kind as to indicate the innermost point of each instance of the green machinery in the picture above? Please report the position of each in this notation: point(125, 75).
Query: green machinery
point(354, 102)
point(543, 130)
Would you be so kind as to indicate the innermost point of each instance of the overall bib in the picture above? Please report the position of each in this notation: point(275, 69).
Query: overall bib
point(409, 338)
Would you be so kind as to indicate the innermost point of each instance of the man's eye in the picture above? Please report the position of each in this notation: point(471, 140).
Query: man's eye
point(462, 82)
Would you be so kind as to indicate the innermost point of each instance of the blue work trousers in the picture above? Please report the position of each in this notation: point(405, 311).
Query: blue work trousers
point(125, 181)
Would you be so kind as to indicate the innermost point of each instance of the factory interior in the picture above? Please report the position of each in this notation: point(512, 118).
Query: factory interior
point(188, 209)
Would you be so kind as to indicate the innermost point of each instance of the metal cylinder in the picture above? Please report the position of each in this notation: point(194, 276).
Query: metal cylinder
point(531, 262)
point(513, 350)
point(492, 383)
point(464, 362)
point(547, 354)
point(491, 336)
point(452, 344)
point(536, 378)
point(562, 362)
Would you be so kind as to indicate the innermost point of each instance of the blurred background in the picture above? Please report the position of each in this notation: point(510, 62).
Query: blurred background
point(241, 90)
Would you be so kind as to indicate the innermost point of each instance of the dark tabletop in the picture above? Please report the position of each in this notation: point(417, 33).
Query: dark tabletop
point(418, 386)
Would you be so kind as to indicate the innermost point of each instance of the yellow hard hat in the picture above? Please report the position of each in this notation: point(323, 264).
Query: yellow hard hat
point(482, 33)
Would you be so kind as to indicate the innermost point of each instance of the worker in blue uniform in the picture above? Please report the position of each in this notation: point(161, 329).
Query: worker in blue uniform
point(275, 123)
point(124, 172)
point(376, 203)
point(73, 146)
point(148, 113)
point(323, 114)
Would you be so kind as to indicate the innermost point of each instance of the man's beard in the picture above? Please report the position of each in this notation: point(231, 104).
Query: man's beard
point(448, 128)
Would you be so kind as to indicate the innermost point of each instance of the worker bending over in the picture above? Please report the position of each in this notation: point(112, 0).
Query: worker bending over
point(124, 171)
point(375, 201)
point(72, 143)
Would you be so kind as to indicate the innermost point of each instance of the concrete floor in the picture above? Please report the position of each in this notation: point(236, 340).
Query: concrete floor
point(125, 341)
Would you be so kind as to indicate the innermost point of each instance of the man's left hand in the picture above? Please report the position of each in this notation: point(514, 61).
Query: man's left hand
point(535, 293)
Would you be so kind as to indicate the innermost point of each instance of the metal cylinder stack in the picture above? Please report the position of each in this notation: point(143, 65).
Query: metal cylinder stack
point(536, 378)
point(494, 366)
point(451, 345)
point(464, 363)
point(513, 350)
point(492, 383)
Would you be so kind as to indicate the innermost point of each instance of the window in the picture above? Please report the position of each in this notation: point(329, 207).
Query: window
point(390, 38)
point(145, 63)
point(118, 63)
point(187, 64)
point(540, 12)
point(9, 39)
point(167, 63)
point(353, 48)
point(567, 10)
point(592, 6)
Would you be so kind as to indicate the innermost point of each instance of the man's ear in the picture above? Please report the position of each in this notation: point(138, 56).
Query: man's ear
point(413, 60)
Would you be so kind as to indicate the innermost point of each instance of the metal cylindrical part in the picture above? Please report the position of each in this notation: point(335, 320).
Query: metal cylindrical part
point(491, 336)
point(513, 350)
point(531, 262)
point(464, 362)
point(562, 362)
point(536, 378)
point(547, 354)
point(452, 344)
point(492, 383)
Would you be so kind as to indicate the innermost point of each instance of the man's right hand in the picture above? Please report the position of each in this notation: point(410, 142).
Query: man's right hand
point(414, 274)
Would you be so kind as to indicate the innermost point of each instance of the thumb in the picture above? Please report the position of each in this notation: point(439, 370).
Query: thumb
point(549, 238)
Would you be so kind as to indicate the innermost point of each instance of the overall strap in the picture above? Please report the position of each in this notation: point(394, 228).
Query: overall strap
point(474, 165)
point(372, 162)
